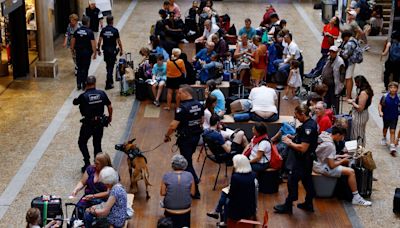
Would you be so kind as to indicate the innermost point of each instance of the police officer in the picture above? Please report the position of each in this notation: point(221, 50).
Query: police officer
point(188, 124)
point(83, 45)
point(300, 161)
point(110, 36)
point(91, 105)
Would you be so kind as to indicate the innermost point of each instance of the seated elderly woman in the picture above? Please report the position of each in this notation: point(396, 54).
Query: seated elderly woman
point(115, 207)
point(95, 191)
point(177, 187)
point(263, 100)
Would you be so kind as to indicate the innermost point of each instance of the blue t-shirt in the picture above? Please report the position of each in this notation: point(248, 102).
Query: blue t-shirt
point(214, 136)
point(202, 55)
point(160, 71)
point(161, 51)
point(250, 33)
point(220, 100)
point(390, 107)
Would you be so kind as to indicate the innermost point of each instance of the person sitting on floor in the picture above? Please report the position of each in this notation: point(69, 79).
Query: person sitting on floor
point(232, 146)
point(243, 51)
point(259, 149)
point(330, 164)
point(209, 29)
point(220, 46)
point(263, 100)
point(214, 91)
point(159, 77)
point(174, 28)
point(323, 120)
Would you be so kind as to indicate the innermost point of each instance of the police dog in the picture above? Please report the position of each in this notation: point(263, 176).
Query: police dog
point(137, 164)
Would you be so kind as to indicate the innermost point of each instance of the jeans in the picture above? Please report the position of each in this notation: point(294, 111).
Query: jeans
point(88, 130)
point(283, 70)
point(255, 117)
point(222, 206)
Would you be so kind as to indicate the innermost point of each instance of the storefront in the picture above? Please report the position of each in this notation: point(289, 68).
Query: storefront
point(18, 36)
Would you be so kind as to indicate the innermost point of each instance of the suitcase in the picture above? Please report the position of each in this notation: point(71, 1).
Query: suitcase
point(342, 190)
point(364, 181)
point(141, 90)
point(236, 87)
point(349, 119)
point(54, 208)
point(396, 201)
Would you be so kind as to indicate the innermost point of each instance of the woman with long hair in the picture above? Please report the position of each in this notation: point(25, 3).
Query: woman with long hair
point(360, 108)
point(209, 106)
point(330, 33)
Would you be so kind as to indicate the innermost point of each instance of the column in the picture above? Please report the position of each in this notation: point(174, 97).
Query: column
point(47, 65)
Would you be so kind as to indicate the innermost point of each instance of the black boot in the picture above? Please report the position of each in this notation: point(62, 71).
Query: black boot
point(285, 208)
point(306, 206)
point(197, 194)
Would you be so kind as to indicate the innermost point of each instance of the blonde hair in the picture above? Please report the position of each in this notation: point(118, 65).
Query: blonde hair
point(241, 164)
point(73, 17)
point(176, 52)
point(104, 159)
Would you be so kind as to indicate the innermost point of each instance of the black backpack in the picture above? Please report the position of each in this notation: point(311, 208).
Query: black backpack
point(365, 11)
point(394, 51)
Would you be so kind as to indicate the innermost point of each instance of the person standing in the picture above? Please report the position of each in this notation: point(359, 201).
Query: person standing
point(392, 49)
point(300, 161)
point(91, 105)
point(95, 15)
point(83, 45)
point(73, 25)
point(111, 38)
point(188, 124)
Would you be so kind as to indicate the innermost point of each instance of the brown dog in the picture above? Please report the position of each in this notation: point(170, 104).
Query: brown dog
point(137, 165)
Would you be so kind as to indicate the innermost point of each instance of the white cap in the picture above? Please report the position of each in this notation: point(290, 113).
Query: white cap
point(334, 48)
point(352, 13)
point(92, 1)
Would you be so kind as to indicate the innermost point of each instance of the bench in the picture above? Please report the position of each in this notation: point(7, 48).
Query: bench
point(129, 203)
point(268, 181)
point(324, 186)
point(246, 126)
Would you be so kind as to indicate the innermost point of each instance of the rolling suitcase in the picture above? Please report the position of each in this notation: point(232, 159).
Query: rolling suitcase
point(141, 90)
point(50, 208)
point(236, 87)
point(364, 180)
point(396, 201)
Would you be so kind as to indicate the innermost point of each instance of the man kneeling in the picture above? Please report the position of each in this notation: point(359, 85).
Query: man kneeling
point(233, 145)
point(331, 165)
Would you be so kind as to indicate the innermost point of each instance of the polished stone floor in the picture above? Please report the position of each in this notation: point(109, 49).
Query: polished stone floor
point(29, 106)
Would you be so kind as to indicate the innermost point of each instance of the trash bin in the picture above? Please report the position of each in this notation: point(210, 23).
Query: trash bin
point(328, 9)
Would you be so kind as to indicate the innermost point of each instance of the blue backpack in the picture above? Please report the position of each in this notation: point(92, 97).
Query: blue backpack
point(394, 52)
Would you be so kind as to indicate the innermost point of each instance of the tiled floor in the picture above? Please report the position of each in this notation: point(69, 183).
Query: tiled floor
point(27, 107)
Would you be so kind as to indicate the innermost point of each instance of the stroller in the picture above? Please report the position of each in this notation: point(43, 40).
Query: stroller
point(123, 74)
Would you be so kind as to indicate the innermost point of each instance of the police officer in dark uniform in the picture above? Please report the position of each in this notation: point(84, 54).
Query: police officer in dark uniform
point(301, 152)
point(91, 105)
point(110, 36)
point(188, 124)
point(84, 45)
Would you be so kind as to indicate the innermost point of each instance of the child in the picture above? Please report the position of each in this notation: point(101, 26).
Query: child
point(388, 110)
point(159, 77)
point(33, 219)
point(229, 66)
point(294, 80)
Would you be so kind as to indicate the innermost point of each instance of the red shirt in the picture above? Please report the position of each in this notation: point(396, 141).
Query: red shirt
point(324, 123)
point(334, 31)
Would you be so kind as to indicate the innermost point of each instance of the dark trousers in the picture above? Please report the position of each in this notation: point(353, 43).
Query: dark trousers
point(390, 68)
point(83, 63)
point(293, 180)
point(179, 220)
point(110, 58)
point(87, 131)
point(187, 147)
point(222, 207)
point(255, 117)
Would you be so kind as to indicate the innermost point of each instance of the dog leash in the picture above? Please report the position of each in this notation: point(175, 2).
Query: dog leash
point(153, 148)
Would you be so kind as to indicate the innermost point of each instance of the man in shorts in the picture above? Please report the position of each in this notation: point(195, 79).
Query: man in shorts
point(347, 48)
point(332, 165)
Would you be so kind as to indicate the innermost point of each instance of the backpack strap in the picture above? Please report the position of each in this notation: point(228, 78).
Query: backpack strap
point(177, 66)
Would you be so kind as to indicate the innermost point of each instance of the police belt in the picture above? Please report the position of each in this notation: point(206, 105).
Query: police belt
point(92, 120)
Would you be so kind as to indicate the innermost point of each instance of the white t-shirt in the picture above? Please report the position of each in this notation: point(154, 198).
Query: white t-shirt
point(207, 116)
point(292, 49)
point(207, 34)
point(265, 146)
point(263, 99)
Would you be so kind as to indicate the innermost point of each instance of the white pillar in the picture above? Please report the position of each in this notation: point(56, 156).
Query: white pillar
point(47, 65)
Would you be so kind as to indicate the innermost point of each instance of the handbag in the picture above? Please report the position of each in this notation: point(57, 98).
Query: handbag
point(365, 159)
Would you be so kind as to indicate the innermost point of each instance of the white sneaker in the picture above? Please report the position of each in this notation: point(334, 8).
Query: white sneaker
point(358, 200)
point(392, 148)
point(191, 33)
point(383, 141)
point(366, 47)
point(185, 41)
point(295, 98)
point(285, 98)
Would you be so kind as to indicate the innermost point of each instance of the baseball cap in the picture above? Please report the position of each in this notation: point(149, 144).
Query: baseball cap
point(352, 12)
point(334, 48)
